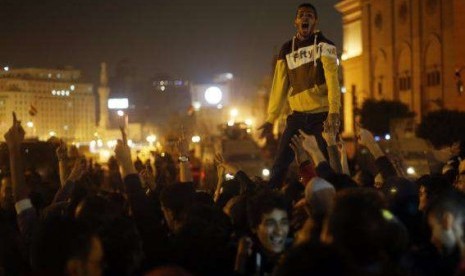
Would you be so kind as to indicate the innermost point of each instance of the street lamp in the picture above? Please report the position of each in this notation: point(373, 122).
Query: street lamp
point(234, 112)
point(213, 95)
point(151, 139)
point(195, 139)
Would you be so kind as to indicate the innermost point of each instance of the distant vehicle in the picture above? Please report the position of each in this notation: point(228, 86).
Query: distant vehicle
point(238, 147)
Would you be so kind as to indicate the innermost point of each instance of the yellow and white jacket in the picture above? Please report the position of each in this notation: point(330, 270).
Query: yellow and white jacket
point(307, 74)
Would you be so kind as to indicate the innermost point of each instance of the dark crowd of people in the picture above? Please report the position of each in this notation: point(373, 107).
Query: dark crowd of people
point(130, 218)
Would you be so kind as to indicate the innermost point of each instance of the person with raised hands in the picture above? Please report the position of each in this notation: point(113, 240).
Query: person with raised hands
point(322, 167)
point(144, 213)
point(303, 159)
point(330, 137)
point(185, 173)
point(67, 187)
point(27, 216)
point(247, 185)
point(62, 156)
point(14, 137)
point(382, 162)
point(310, 144)
point(344, 159)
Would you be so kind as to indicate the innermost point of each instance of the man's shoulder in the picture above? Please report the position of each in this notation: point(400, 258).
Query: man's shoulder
point(285, 49)
point(324, 39)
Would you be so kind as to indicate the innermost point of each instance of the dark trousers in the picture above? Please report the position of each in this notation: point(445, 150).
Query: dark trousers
point(310, 123)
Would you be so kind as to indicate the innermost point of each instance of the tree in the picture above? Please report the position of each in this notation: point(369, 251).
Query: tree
point(376, 115)
point(443, 127)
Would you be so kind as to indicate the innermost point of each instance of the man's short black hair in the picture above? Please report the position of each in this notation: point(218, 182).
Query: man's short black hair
point(178, 198)
point(264, 202)
point(308, 5)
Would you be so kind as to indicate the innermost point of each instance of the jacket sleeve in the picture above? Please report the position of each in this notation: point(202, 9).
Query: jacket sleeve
point(279, 90)
point(329, 60)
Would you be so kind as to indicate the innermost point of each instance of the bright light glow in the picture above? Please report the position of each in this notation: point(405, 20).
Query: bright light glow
point(52, 133)
point(151, 138)
point(162, 88)
point(234, 112)
point(411, 170)
point(120, 113)
point(65, 127)
point(248, 130)
point(220, 106)
point(196, 105)
point(231, 123)
point(131, 143)
point(338, 62)
point(248, 122)
point(265, 172)
point(54, 92)
point(377, 138)
point(99, 143)
point(195, 139)
point(228, 176)
point(104, 154)
point(387, 137)
point(72, 87)
point(344, 56)
point(121, 103)
point(229, 76)
point(67, 93)
point(6, 68)
point(213, 95)
point(30, 124)
point(343, 89)
point(92, 145)
point(111, 143)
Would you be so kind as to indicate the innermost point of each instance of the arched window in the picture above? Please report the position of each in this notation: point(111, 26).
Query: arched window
point(404, 75)
point(380, 76)
point(432, 98)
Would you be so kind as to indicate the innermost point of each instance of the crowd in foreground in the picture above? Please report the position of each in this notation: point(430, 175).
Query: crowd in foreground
point(136, 219)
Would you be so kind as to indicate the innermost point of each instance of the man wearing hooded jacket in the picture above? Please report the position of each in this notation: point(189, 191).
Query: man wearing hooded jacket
point(306, 75)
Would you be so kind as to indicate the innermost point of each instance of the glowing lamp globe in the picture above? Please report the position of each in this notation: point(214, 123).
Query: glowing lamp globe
point(213, 95)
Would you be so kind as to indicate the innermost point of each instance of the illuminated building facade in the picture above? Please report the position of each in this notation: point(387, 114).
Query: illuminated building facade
point(48, 102)
point(407, 50)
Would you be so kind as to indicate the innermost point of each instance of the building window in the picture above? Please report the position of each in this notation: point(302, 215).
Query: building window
point(433, 78)
point(405, 83)
point(403, 12)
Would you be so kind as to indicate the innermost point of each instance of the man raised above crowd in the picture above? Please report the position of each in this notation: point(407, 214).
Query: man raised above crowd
point(306, 72)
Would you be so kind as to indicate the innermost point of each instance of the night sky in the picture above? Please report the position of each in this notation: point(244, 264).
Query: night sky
point(190, 39)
